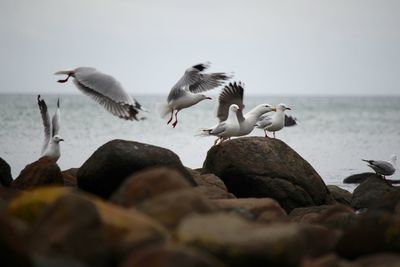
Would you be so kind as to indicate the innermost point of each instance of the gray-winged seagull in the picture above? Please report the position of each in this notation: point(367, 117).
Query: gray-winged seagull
point(384, 168)
point(277, 121)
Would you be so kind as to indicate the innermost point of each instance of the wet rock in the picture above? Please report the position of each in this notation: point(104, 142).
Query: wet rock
point(5, 173)
point(340, 195)
point(379, 260)
point(171, 256)
point(238, 242)
point(263, 209)
point(265, 167)
point(69, 177)
point(370, 192)
point(170, 208)
point(42, 172)
point(114, 161)
point(56, 234)
point(358, 178)
point(210, 185)
point(144, 185)
point(374, 232)
point(389, 202)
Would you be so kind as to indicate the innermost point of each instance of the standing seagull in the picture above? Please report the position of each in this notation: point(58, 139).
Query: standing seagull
point(225, 129)
point(185, 93)
point(105, 90)
point(233, 94)
point(384, 168)
point(52, 139)
point(277, 121)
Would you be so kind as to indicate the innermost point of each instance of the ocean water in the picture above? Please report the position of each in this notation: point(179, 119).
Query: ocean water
point(333, 133)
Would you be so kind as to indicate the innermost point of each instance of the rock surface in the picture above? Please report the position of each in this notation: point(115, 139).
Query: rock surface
point(358, 178)
point(265, 167)
point(114, 161)
point(5, 173)
point(340, 195)
point(42, 172)
point(210, 185)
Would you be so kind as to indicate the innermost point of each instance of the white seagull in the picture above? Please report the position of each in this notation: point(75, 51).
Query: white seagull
point(105, 90)
point(52, 139)
point(186, 92)
point(225, 129)
point(277, 121)
point(384, 168)
point(233, 94)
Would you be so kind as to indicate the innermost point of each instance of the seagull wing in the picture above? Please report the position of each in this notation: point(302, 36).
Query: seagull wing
point(46, 122)
point(265, 120)
point(55, 121)
point(290, 121)
point(106, 91)
point(230, 94)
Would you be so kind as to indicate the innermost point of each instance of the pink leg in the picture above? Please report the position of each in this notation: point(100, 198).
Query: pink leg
point(65, 80)
point(170, 119)
point(176, 119)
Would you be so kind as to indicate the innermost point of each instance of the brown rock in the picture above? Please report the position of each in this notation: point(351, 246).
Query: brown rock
point(69, 177)
point(379, 260)
point(340, 195)
point(147, 184)
point(42, 172)
point(5, 173)
point(210, 185)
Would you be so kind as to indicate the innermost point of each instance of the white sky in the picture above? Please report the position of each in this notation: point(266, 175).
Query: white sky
point(275, 47)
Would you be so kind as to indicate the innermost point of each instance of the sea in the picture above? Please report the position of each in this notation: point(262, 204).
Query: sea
point(333, 133)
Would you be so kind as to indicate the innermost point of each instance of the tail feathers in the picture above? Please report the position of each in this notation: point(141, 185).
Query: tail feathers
point(164, 110)
point(204, 132)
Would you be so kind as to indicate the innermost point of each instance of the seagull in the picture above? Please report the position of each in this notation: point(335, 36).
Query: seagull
point(186, 92)
point(233, 94)
point(384, 168)
point(105, 90)
point(52, 139)
point(225, 129)
point(277, 121)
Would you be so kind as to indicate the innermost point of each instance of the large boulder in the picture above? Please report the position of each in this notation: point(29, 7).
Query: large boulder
point(41, 172)
point(341, 195)
point(358, 178)
point(210, 185)
point(265, 167)
point(114, 161)
point(5, 173)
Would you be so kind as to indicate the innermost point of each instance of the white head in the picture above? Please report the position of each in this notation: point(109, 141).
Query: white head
point(233, 108)
point(393, 159)
point(282, 107)
point(57, 139)
point(264, 108)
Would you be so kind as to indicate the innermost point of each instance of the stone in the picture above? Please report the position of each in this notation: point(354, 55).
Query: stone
point(266, 167)
point(116, 160)
point(341, 195)
point(42, 172)
point(69, 177)
point(210, 185)
point(147, 184)
point(358, 178)
point(5, 173)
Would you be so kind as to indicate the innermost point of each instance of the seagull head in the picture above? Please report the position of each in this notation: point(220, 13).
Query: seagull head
point(393, 159)
point(234, 108)
point(282, 107)
point(57, 138)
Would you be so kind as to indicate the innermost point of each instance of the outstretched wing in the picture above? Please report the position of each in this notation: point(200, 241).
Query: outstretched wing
point(230, 94)
point(290, 121)
point(46, 123)
point(106, 91)
point(55, 121)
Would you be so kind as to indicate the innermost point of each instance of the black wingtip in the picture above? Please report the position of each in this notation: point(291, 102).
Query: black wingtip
point(201, 66)
point(58, 102)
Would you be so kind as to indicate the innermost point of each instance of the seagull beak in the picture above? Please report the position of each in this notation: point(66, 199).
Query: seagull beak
point(208, 98)
point(61, 140)
point(273, 109)
point(288, 108)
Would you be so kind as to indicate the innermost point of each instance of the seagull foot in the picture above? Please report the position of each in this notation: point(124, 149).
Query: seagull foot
point(65, 80)
point(174, 124)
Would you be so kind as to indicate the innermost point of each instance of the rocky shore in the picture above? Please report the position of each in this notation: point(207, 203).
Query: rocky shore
point(254, 202)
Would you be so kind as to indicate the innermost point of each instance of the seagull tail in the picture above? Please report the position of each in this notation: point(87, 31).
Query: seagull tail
point(62, 72)
point(164, 110)
point(203, 132)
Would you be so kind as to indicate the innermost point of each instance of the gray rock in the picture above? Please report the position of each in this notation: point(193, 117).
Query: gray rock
point(358, 178)
point(340, 195)
point(5, 173)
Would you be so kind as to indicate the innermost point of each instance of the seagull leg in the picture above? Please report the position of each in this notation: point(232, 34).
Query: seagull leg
point(274, 135)
point(176, 119)
point(65, 80)
point(216, 141)
point(172, 115)
point(265, 132)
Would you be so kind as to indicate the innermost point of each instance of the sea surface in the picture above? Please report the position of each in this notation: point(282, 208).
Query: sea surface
point(333, 133)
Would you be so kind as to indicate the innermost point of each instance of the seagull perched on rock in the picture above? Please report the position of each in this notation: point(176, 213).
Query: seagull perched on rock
point(225, 129)
point(186, 92)
point(233, 94)
point(277, 121)
point(52, 139)
point(105, 90)
point(384, 168)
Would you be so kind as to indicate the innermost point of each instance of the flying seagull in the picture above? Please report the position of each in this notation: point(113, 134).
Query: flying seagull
point(277, 121)
point(105, 90)
point(384, 168)
point(52, 139)
point(233, 94)
point(187, 91)
point(225, 129)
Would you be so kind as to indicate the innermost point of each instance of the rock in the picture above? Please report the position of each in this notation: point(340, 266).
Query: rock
point(55, 234)
point(340, 195)
point(114, 161)
point(329, 260)
point(338, 216)
point(370, 192)
point(171, 256)
point(210, 185)
point(146, 184)
point(358, 178)
point(42, 172)
point(170, 208)
point(12, 247)
point(389, 202)
point(266, 167)
point(374, 232)
point(263, 209)
point(5, 173)
point(379, 260)
point(69, 177)
point(238, 242)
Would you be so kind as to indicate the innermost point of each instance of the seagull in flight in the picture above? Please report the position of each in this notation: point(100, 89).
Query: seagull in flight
point(52, 139)
point(187, 91)
point(233, 94)
point(105, 90)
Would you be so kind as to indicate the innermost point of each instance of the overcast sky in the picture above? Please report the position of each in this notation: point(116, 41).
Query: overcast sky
point(275, 47)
